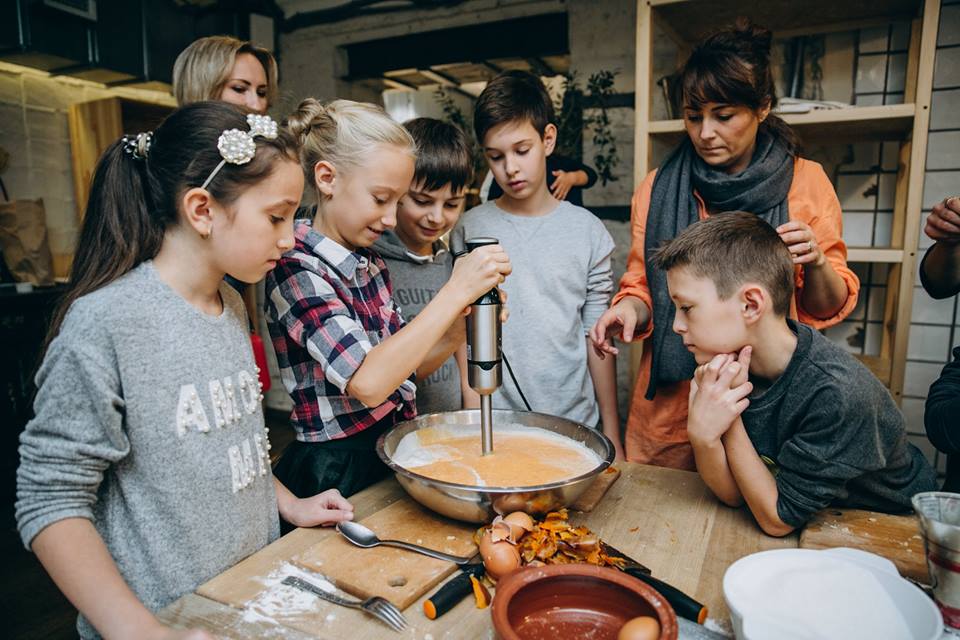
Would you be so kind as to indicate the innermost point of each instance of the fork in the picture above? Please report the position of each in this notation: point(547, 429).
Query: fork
point(378, 607)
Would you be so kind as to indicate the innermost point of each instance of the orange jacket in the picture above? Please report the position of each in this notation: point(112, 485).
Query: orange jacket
point(657, 429)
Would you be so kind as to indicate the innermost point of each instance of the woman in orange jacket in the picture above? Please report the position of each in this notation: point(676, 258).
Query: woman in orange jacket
point(737, 156)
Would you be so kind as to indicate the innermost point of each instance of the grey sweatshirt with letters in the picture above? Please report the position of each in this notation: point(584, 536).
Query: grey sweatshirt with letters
point(415, 281)
point(148, 423)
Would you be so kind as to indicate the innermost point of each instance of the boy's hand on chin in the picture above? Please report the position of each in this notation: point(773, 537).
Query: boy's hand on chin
point(743, 358)
point(718, 395)
point(324, 508)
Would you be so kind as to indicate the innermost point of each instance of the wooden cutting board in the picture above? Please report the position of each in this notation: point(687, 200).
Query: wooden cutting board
point(589, 498)
point(399, 576)
point(897, 538)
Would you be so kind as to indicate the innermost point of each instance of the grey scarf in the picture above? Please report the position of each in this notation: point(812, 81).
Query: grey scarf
point(761, 189)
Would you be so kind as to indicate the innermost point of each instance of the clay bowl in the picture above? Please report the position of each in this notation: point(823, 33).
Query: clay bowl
point(575, 601)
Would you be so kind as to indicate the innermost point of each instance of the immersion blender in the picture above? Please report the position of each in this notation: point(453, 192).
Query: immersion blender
point(483, 350)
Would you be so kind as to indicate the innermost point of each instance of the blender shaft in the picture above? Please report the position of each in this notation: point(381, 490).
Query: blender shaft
point(486, 423)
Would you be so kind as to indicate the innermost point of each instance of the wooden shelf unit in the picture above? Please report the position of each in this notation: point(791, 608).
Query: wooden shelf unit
point(688, 21)
point(888, 122)
point(95, 125)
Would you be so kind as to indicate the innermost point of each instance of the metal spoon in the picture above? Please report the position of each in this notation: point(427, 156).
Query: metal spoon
point(363, 537)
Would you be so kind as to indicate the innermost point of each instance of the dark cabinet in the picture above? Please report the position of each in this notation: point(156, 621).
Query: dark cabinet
point(44, 36)
point(111, 40)
point(24, 319)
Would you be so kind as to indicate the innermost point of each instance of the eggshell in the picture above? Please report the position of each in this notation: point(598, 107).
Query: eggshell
point(499, 558)
point(519, 523)
point(642, 628)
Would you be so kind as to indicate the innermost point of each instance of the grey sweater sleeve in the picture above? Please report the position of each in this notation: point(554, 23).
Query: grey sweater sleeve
point(599, 278)
point(78, 429)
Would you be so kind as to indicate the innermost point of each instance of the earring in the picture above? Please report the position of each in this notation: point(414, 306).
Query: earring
point(206, 236)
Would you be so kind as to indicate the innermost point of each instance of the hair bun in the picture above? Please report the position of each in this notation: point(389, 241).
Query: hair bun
point(304, 117)
point(752, 39)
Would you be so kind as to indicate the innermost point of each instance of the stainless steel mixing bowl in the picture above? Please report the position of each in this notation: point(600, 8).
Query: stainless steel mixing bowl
point(481, 504)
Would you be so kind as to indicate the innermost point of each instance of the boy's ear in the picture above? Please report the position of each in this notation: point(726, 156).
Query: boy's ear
point(549, 139)
point(197, 205)
point(754, 301)
point(324, 178)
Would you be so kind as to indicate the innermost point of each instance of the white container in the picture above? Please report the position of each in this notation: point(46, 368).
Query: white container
point(752, 620)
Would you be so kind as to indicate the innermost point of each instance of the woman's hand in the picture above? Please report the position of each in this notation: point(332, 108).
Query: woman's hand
point(479, 271)
point(563, 181)
point(621, 320)
point(324, 508)
point(943, 223)
point(800, 239)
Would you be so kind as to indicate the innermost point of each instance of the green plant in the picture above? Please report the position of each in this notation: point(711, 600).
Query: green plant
point(600, 89)
point(573, 106)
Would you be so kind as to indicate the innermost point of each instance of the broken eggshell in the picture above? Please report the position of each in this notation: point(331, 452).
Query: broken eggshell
point(500, 557)
point(519, 522)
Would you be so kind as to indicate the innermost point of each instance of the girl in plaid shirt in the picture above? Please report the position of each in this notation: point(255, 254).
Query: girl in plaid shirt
point(346, 356)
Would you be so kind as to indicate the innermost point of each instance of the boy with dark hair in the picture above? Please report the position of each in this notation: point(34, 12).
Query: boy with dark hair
point(780, 417)
point(417, 259)
point(561, 280)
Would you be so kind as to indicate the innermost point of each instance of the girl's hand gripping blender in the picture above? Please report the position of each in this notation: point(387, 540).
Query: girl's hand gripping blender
point(483, 350)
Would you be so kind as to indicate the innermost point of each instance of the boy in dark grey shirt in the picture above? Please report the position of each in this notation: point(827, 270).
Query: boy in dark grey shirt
point(780, 417)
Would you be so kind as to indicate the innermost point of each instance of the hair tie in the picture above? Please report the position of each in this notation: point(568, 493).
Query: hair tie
point(138, 146)
point(239, 147)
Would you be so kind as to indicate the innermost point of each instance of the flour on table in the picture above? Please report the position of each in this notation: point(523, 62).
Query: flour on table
point(280, 600)
point(722, 627)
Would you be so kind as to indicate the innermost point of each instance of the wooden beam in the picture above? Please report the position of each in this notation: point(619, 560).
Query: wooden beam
point(93, 126)
point(918, 159)
point(641, 138)
point(440, 78)
point(491, 66)
point(540, 66)
point(870, 254)
point(399, 84)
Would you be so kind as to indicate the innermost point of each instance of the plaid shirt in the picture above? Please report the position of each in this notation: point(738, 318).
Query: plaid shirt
point(327, 307)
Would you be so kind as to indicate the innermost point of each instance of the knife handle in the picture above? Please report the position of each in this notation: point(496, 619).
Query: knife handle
point(684, 605)
point(448, 596)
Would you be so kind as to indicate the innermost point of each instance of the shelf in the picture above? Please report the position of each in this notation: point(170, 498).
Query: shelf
point(878, 366)
point(691, 20)
point(869, 254)
point(888, 122)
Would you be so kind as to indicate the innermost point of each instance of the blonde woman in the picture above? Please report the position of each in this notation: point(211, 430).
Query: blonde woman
point(225, 68)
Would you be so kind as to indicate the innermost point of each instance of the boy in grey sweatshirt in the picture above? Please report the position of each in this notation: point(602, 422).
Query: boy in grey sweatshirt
point(417, 258)
point(562, 277)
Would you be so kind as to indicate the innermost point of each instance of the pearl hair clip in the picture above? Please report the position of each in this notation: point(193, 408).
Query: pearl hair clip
point(239, 147)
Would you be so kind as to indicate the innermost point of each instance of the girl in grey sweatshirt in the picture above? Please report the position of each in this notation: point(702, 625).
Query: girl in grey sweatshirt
point(146, 470)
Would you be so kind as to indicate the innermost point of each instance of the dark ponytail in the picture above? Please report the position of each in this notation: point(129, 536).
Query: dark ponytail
point(733, 67)
point(135, 192)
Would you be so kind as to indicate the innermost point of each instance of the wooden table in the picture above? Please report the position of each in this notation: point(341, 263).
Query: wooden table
point(664, 518)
